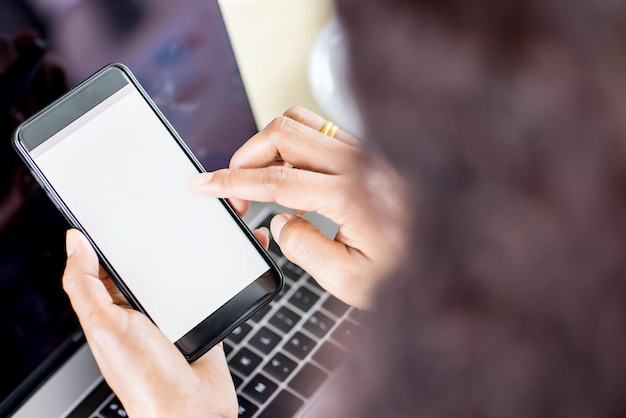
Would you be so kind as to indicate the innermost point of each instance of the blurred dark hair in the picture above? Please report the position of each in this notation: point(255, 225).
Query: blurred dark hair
point(508, 118)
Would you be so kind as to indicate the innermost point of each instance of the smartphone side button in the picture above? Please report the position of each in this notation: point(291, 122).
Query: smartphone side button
point(39, 182)
point(53, 200)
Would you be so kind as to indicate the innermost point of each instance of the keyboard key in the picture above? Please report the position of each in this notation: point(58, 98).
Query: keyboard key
point(113, 409)
point(260, 388)
point(246, 408)
point(227, 348)
point(319, 324)
point(239, 333)
point(347, 334)
point(329, 355)
point(293, 271)
point(260, 313)
point(307, 380)
point(285, 319)
point(314, 284)
point(245, 361)
point(335, 306)
point(286, 289)
point(303, 299)
point(265, 340)
point(236, 380)
point(280, 367)
point(299, 345)
point(283, 405)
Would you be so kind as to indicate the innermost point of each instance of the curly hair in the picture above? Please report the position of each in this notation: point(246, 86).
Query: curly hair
point(508, 118)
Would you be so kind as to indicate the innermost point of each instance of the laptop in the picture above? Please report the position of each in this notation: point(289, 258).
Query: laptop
point(283, 358)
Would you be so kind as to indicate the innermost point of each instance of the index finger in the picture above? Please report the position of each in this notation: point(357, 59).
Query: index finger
point(325, 194)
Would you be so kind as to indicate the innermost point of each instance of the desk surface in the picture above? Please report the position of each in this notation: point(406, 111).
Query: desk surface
point(272, 40)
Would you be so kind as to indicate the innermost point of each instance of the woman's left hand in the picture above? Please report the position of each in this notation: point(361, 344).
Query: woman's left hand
point(145, 370)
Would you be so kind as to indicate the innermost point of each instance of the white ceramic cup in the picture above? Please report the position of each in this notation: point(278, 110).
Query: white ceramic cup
point(327, 74)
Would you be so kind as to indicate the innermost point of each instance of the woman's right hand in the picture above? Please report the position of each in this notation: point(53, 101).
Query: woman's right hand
point(291, 163)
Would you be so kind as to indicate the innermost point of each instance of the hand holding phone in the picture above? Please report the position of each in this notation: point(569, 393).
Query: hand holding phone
point(118, 171)
point(146, 372)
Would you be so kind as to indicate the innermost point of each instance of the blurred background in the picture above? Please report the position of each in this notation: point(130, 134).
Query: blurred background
point(179, 51)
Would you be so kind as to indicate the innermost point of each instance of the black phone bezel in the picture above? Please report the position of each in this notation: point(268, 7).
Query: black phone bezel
point(60, 114)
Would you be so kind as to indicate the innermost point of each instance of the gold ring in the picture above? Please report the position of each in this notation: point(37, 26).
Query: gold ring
point(329, 128)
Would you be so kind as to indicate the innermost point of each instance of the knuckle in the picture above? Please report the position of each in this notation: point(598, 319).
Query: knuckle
point(278, 124)
point(227, 178)
point(68, 282)
point(276, 178)
point(239, 157)
point(278, 129)
point(295, 111)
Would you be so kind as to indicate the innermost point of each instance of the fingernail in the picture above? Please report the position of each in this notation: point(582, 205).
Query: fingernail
point(276, 225)
point(200, 179)
point(69, 243)
point(265, 231)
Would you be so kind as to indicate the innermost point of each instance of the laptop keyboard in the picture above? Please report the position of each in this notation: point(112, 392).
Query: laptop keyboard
point(282, 355)
point(285, 352)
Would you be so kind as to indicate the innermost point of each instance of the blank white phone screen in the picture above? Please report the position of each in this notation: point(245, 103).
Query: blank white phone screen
point(126, 181)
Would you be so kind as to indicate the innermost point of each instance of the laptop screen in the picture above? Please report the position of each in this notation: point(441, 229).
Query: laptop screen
point(181, 54)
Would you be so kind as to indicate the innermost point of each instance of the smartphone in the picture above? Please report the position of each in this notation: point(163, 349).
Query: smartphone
point(118, 171)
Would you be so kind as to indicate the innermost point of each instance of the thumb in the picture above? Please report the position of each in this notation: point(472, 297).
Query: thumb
point(81, 258)
point(80, 279)
point(305, 245)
